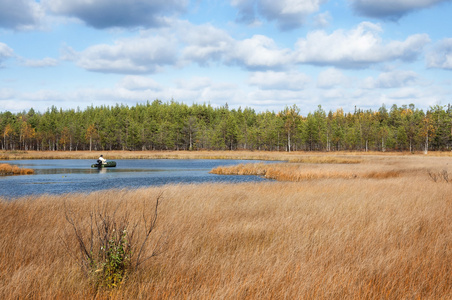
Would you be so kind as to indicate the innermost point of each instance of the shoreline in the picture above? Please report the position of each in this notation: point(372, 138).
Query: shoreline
point(301, 167)
point(240, 154)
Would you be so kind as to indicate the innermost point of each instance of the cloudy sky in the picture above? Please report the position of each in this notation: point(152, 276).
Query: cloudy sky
point(263, 54)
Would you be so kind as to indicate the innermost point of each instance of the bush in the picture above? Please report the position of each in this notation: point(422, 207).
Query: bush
point(110, 246)
point(442, 176)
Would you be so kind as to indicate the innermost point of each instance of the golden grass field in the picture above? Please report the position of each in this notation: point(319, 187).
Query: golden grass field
point(359, 227)
point(297, 156)
point(110, 155)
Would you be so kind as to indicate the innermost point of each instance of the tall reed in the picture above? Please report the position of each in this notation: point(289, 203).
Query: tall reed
point(300, 172)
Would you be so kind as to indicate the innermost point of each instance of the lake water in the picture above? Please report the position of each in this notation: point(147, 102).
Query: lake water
point(76, 175)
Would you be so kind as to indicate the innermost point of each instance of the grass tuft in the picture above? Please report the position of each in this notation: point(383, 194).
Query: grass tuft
point(7, 169)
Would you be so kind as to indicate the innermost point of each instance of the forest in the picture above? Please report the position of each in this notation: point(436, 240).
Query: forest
point(171, 125)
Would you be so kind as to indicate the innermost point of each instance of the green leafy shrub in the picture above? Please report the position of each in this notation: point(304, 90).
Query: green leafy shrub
point(113, 261)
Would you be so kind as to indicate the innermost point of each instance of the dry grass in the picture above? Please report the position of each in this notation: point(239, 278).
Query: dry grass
point(325, 159)
point(7, 169)
point(343, 166)
point(366, 238)
point(300, 172)
point(16, 155)
point(298, 156)
point(346, 166)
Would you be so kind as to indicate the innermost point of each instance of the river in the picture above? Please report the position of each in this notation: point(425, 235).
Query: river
point(59, 176)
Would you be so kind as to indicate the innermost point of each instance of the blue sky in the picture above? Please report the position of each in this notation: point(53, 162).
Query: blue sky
point(262, 54)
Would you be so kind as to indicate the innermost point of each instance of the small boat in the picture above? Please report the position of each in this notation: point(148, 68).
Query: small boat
point(109, 164)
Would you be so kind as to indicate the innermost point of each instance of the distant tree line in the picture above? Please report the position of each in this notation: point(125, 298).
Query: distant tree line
point(175, 126)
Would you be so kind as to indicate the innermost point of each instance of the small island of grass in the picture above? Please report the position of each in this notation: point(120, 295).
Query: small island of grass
point(7, 169)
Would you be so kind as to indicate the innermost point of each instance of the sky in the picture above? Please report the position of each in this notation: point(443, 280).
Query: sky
point(262, 54)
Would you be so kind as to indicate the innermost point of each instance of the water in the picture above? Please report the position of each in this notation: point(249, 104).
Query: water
point(59, 176)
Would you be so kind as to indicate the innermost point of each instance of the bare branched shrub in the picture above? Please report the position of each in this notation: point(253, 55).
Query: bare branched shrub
point(445, 175)
point(111, 244)
point(442, 176)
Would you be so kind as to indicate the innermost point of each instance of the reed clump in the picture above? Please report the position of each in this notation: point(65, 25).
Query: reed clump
point(7, 169)
point(299, 172)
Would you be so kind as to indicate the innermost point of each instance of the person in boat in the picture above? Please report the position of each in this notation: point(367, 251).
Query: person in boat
point(101, 160)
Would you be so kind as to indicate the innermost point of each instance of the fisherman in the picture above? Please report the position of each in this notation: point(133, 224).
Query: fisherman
point(101, 160)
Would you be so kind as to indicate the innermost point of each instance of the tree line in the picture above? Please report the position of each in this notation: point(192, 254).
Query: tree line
point(171, 125)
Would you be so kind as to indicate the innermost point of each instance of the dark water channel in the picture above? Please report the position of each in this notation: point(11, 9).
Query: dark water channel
point(59, 176)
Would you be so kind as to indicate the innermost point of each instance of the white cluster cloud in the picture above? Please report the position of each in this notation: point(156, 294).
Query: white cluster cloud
point(194, 83)
point(246, 10)
point(331, 78)
point(392, 79)
point(6, 94)
point(390, 9)
point(258, 52)
point(189, 44)
point(117, 13)
point(40, 63)
point(5, 52)
point(203, 43)
point(288, 14)
point(357, 48)
point(30, 14)
point(271, 80)
point(322, 20)
point(128, 56)
point(135, 83)
point(441, 55)
point(184, 44)
point(20, 14)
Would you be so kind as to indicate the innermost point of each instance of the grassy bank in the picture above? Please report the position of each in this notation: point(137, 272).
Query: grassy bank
point(328, 238)
point(345, 167)
point(110, 155)
point(299, 172)
point(298, 156)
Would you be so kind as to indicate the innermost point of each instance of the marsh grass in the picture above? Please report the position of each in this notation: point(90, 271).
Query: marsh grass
point(324, 159)
point(330, 238)
point(110, 155)
point(299, 172)
point(7, 169)
point(298, 156)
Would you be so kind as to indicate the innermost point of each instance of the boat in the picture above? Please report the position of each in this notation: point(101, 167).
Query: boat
point(109, 164)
